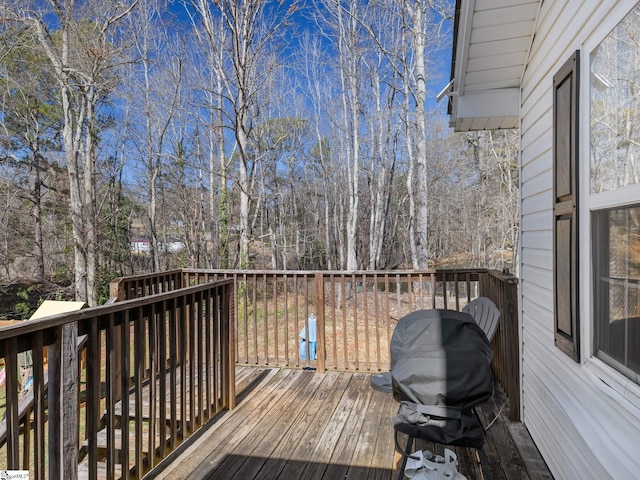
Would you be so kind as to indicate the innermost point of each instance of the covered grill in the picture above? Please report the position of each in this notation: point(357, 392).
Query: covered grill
point(440, 370)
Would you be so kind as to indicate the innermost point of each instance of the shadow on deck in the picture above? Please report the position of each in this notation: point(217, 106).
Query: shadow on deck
point(296, 424)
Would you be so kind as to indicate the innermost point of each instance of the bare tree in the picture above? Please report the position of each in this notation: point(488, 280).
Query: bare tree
point(245, 63)
point(77, 39)
point(154, 87)
point(30, 122)
point(212, 38)
point(317, 85)
point(416, 25)
point(384, 127)
point(184, 189)
point(343, 29)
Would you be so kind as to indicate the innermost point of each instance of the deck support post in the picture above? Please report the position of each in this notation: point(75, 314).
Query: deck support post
point(320, 334)
point(63, 403)
point(228, 316)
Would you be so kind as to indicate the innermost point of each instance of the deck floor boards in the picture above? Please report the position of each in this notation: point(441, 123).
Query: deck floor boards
point(296, 424)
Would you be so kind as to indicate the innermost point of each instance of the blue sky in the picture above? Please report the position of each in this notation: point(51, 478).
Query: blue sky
point(304, 23)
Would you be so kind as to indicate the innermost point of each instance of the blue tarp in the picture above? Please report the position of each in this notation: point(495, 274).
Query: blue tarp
point(312, 339)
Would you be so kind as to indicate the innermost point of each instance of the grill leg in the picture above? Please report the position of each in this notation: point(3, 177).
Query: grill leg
point(484, 464)
point(484, 461)
point(406, 453)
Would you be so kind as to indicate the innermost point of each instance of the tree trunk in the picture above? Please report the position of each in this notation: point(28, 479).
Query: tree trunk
point(89, 192)
point(37, 218)
point(76, 195)
point(410, 174)
point(421, 260)
point(378, 173)
point(245, 192)
point(347, 45)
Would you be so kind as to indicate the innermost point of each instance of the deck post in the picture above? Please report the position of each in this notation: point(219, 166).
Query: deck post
point(11, 412)
point(320, 333)
point(116, 291)
point(63, 403)
point(229, 344)
point(511, 316)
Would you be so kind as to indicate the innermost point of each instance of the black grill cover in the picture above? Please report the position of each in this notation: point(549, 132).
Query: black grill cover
point(441, 368)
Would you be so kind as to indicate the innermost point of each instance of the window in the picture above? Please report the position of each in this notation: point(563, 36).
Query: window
point(614, 141)
point(617, 285)
point(615, 107)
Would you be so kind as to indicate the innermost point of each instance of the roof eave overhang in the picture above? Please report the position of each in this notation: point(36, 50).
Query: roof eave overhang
point(496, 104)
point(486, 110)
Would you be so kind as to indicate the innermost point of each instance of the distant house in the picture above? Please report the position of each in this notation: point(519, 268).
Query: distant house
point(175, 246)
point(144, 246)
point(567, 73)
point(140, 246)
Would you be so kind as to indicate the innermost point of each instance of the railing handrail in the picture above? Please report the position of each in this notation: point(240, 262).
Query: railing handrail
point(115, 287)
point(332, 272)
point(45, 323)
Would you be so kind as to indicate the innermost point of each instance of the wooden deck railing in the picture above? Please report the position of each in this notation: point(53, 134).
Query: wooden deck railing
point(138, 286)
point(503, 290)
point(355, 313)
point(156, 369)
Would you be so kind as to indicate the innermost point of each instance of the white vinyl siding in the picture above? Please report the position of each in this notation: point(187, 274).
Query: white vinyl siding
point(584, 428)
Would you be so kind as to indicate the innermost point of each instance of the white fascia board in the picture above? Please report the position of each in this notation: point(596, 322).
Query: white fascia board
point(463, 42)
point(504, 102)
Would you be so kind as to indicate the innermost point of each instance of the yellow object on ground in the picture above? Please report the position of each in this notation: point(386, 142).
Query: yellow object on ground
point(25, 360)
point(54, 307)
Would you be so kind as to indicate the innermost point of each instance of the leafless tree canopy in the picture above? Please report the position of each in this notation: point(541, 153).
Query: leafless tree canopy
point(139, 136)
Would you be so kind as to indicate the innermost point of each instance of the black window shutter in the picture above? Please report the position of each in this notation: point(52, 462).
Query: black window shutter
point(565, 207)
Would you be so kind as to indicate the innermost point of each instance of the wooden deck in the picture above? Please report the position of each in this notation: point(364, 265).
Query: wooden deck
point(298, 424)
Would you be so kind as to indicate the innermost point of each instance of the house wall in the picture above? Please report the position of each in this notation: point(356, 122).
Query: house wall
point(584, 417)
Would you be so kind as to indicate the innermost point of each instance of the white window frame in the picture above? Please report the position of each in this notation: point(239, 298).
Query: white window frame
point(605, 376)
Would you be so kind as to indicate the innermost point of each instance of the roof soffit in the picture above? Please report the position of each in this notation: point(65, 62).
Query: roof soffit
point(493, 39)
